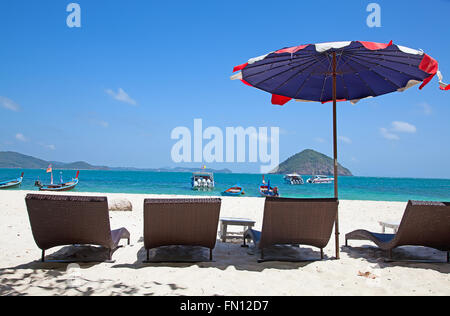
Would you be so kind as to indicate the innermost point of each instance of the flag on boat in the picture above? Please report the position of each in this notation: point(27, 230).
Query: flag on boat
point(364, 70)
point(49, 169)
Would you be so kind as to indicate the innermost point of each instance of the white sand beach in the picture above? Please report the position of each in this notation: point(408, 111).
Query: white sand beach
point(234, 271)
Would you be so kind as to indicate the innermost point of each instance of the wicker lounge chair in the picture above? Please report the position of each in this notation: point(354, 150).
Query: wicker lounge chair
point(181, 222)
point(424, 224)
point(295, 222)
point(58, 220)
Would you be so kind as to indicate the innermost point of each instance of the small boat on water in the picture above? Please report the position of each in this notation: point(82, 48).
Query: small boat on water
point(63, 186)
point(267, 190)
point(12, 183)
point(293, 179)
point(202, 181)
point(320, 180)
point(236, 190)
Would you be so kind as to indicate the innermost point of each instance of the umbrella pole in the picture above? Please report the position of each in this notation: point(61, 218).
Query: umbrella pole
point(336, 229)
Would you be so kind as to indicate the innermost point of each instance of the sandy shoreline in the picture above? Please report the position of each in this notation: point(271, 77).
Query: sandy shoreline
point(234, 271)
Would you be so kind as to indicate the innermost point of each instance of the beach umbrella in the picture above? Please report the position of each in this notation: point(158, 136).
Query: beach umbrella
point(338, 71)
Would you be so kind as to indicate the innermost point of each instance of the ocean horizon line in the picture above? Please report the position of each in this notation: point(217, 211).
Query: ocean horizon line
point(217, 171)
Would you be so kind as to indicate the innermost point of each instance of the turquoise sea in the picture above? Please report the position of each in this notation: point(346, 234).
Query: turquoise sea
point(350, 188)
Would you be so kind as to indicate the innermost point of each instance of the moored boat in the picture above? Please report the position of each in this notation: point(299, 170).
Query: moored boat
point(12, 183)
point(236, 190)
point(267, 190)
point(320, 180)
point(63, 186)
point(293, 179)
point(202, 181)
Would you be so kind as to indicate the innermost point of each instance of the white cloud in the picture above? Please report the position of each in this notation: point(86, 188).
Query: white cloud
point(319, 140)
point(102, 124)
point(9, 104)
point(388, 135)
point(21, 137)
point(345, 139)
point(121, 96)
point(51, 147)
point(403, 127)
point(93, 119)
point(397, 127)
point(427, 110)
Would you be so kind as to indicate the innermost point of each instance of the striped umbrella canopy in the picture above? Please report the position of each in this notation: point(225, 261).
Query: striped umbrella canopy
point(338, 71)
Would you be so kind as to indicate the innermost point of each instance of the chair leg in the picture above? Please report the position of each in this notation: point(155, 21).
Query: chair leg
point(148, 254)
point(224, 232)
point(262, 254)
point(346, 242)
point(128, 241)
point(210, 254)
point(43, 256)
point(110, 251)
point(321, 253)
point(244, 244)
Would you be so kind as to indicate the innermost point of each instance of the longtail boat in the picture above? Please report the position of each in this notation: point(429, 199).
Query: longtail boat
point(67, 186)
point(12, 183)
point(268, 191)
point(236, 190)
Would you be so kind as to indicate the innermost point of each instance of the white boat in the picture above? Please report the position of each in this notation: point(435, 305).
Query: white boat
point(202, 181)
point(320, 180)
point(293, 179)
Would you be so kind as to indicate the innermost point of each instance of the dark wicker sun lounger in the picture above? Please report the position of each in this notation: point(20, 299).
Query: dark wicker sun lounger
point(295, 222)
point(58, 220)
point(424, 224)
point(181, 222)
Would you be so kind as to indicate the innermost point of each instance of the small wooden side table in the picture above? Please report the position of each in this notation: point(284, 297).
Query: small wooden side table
point(227, 221)
point(391, 225)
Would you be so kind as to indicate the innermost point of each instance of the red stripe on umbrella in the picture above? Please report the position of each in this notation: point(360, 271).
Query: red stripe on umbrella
point(375, 46)
point(291, 50)
point(240, 67)
point(279, 99)
point(429, 65)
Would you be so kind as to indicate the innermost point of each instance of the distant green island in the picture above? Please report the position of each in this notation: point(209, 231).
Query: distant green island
point(310, 162)
point(14, 160)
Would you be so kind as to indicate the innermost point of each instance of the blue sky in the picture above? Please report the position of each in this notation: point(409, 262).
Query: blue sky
point(111, 92)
